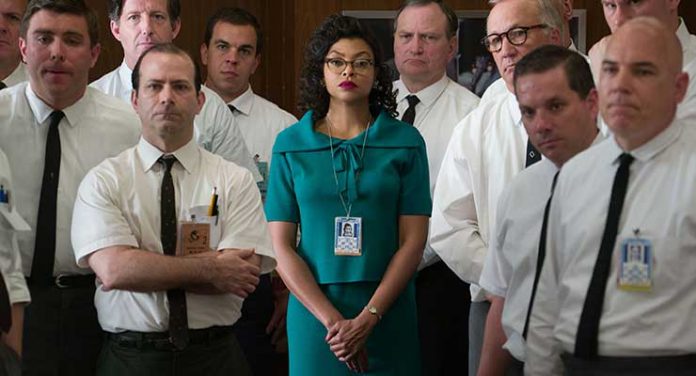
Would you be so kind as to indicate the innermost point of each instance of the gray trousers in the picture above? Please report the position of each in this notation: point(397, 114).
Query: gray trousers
point(9, 362)
point(477, 324)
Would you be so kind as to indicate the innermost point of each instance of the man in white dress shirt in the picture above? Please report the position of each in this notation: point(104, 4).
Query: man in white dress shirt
point(231, 51)
point(487, 149)
point(559, 105)
point(599, 309)
point(140, 24)
point(424, 42)
point(12, 70)
point(16, 295)
point(167, 299)
point(53, 129)
point(617, 12)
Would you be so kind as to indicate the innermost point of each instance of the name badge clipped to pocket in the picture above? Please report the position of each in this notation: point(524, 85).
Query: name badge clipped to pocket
point(348, 236)
point(636, 264)
point(194, 237)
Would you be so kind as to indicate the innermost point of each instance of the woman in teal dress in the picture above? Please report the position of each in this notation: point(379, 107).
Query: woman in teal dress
point(349, 164)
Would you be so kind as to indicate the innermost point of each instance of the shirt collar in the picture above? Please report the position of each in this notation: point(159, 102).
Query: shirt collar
point(244, 102)
point(428, 95)
point(187, 155)
point(41, 110)
point(124, 74)
point(513, 107)
point(652, 148)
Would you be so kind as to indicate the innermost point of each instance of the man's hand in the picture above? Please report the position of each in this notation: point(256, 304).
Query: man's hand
point(276, 326)
point(235, 272)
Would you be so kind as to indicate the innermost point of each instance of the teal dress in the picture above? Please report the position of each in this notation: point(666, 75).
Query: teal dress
point(390, 180)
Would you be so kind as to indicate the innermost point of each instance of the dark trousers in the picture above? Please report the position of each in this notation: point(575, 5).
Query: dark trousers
point(443, 316)
point(683, 365)
point(9, 362)
point(61, 333)
point(210, 357)
point(250, 329)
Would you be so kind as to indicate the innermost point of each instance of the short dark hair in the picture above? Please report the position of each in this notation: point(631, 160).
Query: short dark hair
point(115, 9)
point(234, 16)
point(74, 7)
point(313, 93)
point(548, 57)
point(452, 20)
point(171, 49)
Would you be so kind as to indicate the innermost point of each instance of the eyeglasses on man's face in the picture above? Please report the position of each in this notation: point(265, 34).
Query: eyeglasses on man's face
point(516, 36)
point(338, 65)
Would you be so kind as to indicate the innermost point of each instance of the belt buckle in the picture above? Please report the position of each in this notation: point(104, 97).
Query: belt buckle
point(59, 281)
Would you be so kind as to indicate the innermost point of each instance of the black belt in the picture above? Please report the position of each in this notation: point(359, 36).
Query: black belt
point(161, 341)
point(63, 281)
point(631, 365)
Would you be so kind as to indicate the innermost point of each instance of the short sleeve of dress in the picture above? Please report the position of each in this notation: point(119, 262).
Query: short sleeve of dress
point(414, 194)
point(281, 202)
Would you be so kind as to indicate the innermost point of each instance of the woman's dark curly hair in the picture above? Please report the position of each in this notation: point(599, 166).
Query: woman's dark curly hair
point(313, 94)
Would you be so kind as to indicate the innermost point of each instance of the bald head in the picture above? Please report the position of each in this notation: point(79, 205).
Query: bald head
point(653, 35)
point(641, 81)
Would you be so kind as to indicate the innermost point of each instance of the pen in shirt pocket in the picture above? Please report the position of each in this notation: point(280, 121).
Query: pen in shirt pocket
point(213, 208)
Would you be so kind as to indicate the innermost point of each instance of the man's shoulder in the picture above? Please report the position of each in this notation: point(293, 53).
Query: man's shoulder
point(229, 170)
point(462, 95)
point(115, 115)
point(114, 170)
point(106, 82)
point(263, 106)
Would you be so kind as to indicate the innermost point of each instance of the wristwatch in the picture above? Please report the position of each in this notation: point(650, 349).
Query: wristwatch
point(373, 311)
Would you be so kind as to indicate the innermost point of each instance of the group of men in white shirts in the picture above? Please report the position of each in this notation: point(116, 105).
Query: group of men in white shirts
point(578, 271)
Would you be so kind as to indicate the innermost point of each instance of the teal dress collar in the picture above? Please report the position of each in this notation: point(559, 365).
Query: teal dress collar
point(385, 132)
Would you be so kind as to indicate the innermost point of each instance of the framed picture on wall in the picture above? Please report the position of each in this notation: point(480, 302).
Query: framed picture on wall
point(472, 65)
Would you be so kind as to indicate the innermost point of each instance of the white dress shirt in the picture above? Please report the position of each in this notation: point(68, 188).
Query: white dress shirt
point(442, 105)
point(10, 259)
point(260, 121)
point(119, 204)
point(513, 251)
point(17, 76)
point(486, 151)
point(660, 204)
point(216, 129)
point(96, 127)
point(686, 112)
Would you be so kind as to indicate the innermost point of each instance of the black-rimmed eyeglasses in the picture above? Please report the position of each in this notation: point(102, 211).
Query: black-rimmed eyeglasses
point(516, 36)
point(360, 66)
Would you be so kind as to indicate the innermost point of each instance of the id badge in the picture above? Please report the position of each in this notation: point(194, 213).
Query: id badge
point(635, 265)
point(348, 236)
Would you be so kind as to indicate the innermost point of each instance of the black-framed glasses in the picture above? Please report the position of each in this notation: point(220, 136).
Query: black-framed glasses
point(338, 65)
point(516, 36)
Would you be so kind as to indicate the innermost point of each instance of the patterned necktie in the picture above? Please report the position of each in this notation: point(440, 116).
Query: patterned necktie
point(45, 244)
point(410, 114)
point(178, 317)
point(541, 255)
point(588, 328)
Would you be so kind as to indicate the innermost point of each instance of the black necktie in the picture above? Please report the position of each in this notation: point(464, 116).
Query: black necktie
point(178, 317)
point(232, 108)
point(5, 307)
point(588, 328)
point(45, 245)
point(2, 85)
point(533, 155)
point(410, 114)
point(540, 256)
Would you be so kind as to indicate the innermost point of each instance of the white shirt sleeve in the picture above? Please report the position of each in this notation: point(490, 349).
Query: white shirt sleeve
point(454, 231)
point(246, 222)
point(543, 350)
point(497, 270)
point(97, 222)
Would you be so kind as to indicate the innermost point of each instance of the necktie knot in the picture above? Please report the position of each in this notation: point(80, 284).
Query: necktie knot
point(56, 117)
point(232, 108)
point(167, 161)
point(412, 100)
point(2, 85)
point(625, 159)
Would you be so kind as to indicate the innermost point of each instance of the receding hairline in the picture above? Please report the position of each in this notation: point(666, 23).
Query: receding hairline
point(499, 3)
point(651, 29)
